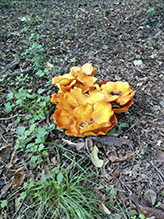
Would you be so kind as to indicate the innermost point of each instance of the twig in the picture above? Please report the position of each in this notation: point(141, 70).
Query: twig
point(159, 172)
point(21, 115)
point(103, 11)
point(9, 66)
point(29, 71)
point(5, 140)
point(131, 127)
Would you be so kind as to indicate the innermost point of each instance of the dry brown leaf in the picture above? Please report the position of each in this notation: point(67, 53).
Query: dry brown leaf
point(161, 206)
point(160, 155)
point(108, 140)
point(128, 156)
point(78, 145)
point(5, 152)
point(18, 178)
point(150, 212)
point(53, 160)
point(104, 208)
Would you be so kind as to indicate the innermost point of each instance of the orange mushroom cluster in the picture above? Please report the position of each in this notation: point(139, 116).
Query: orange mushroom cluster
point(86, 108)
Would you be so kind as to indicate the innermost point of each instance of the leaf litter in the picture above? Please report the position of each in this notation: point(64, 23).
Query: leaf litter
point(124, 40)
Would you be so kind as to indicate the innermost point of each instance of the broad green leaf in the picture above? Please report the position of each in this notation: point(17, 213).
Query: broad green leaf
point(30, 145)
point(8, 107)
point(41, 146)
point(45, 153)
point(32, 127)
point(20, 130)
point(10, 95)
point(34, 159)
point(3, 203)
point(40, 91)
point(41, 132)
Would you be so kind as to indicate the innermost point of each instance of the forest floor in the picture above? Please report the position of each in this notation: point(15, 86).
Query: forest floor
point(124, 40)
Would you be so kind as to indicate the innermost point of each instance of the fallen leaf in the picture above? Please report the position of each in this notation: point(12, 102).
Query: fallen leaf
point(104, 47)
point(104, 208)
point(128, 156)
point(150, 196)
point(78, 145)
point(5, 152)
point(160, 155)
point(49, 65)
point(89, 144)
point(161, 206)
point(18, 178)
point(53, 160)
point(107, 140)
point(94, 157)
point(150, 212)
point(93, 151)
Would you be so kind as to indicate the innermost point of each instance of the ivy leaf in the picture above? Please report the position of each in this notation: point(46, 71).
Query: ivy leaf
point(41, 91)
point(10, 96)
point(41, 132)
point(3, 203)
point(20, 130)
point(8, 107)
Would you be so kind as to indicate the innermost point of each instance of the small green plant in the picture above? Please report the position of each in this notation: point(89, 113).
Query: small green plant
point(76, 19)
point(133, 217)
point(150, 12)
point(119, 125)
point(73, 60)
point(64, 192)
point(8, 107)
point(145, 149)
point(37, 55)
point(122, 125)
point(115, 205)
point(158, 204)
point(34, 103)
point(32, 140)
point(141, 216)
point(4, 203)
